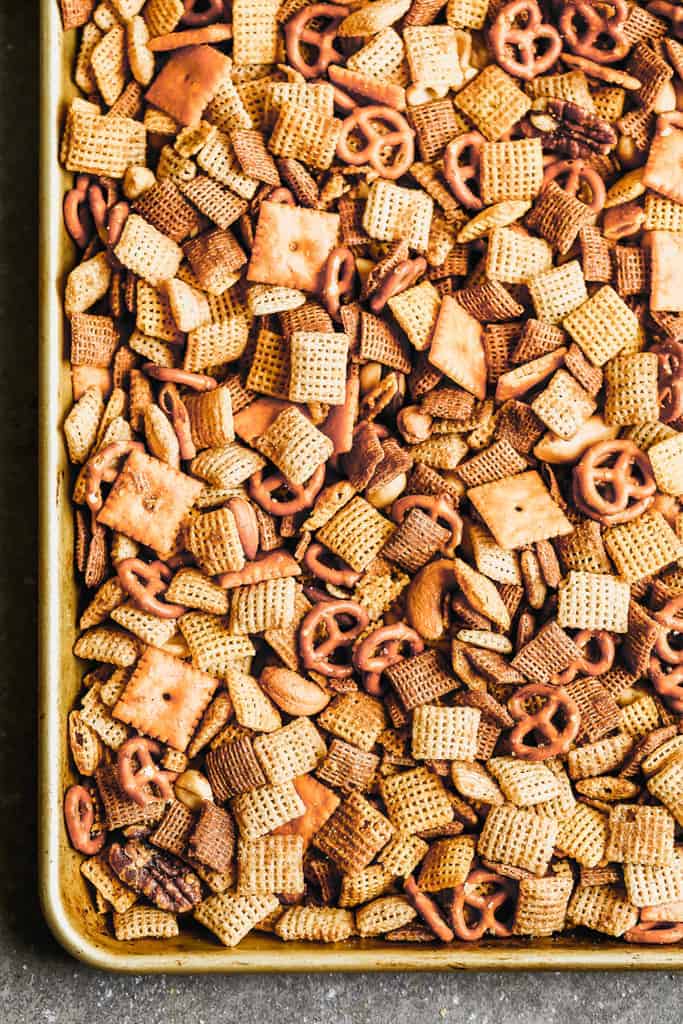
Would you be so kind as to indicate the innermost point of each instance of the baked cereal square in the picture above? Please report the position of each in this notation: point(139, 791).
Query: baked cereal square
point(148, 502)
point(165, 698)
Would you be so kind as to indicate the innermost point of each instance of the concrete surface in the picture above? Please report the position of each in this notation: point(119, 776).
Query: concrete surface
point(38, 982)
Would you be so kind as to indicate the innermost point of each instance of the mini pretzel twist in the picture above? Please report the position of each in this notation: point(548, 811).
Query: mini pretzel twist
point(573, 175)
point(666, 664)
point(298, 32)
point(586, 666)
point(282, 195)
point(584, 28)
point(316, 656)
point(109, 218)
point(176, 410)
point(507, 40)
point(339, 273)
point(135, 781)
point(79, 814)
point(670, 616)
point(171, 375)
point(485, 905)
point(458, 176)
point(215, 11)
point(399, 138)
point(671, 12)
point(262, 489)
point(156, 576)
point(427, 909)
point(381, 649)
point(76, 209)
point(541, 722)
point(655, 932)
point(668, 683)
point(670, 383)
point(629, 481)
point(247, 526)
point(343, 577)
point(402, 277)
point(440, 508)
point(104, 468)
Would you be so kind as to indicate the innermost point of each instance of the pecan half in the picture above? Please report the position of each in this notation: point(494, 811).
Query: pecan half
point(162, 878)
point(577, 132)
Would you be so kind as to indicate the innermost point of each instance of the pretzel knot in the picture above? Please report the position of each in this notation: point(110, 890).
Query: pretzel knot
point(655, 932)
point(670, 383)
point(263, 489)
point(76, 209)
point(666, 664)
point(476, 903)
point(214, 12)
point(381, 649)
point(344, 577)
point(602, 644)
point(297, 32)
point(104, 468)
point(108, 215)
point(457, 175)
point(397, 280)
point(670, 616)
point(79, 814)
point(616, 493)
point(575, 176)
point(508, 40)
point(156, 576)
point(440, 508)
point(592, 34)
point(316, 656)
point(398, 138)
point(135, 782)
point(338, 278)
point(541, 722)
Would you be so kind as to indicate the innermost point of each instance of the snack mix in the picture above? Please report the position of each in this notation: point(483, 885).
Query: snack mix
point(376, 338)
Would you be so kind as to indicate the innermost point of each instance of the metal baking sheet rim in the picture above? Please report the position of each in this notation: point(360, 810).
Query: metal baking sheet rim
point(66, 904)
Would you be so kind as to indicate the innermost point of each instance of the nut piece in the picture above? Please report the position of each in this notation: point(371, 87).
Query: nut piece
point(192, 788)
point(414, 424)
point(291, 692)
point(386, 494)
point(136, 180)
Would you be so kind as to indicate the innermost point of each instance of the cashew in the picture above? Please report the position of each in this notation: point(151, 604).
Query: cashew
point(370, 376)
point(425, 599)
point(192, 788)
point(386, 494)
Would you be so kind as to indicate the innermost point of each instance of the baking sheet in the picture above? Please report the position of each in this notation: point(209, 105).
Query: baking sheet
point(66, 902)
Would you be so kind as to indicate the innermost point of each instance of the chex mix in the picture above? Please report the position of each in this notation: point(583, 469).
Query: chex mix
point(376, 340)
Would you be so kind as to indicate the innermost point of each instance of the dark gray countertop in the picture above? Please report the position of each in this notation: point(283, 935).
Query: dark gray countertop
point(38, 982)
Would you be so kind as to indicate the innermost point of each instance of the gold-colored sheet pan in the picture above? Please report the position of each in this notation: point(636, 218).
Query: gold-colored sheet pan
point(66, 903)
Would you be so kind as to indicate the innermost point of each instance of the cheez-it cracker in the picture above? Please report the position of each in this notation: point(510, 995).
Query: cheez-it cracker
point(165, 698)
point(291, 246)
point(376, 346)
point(149, 502)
